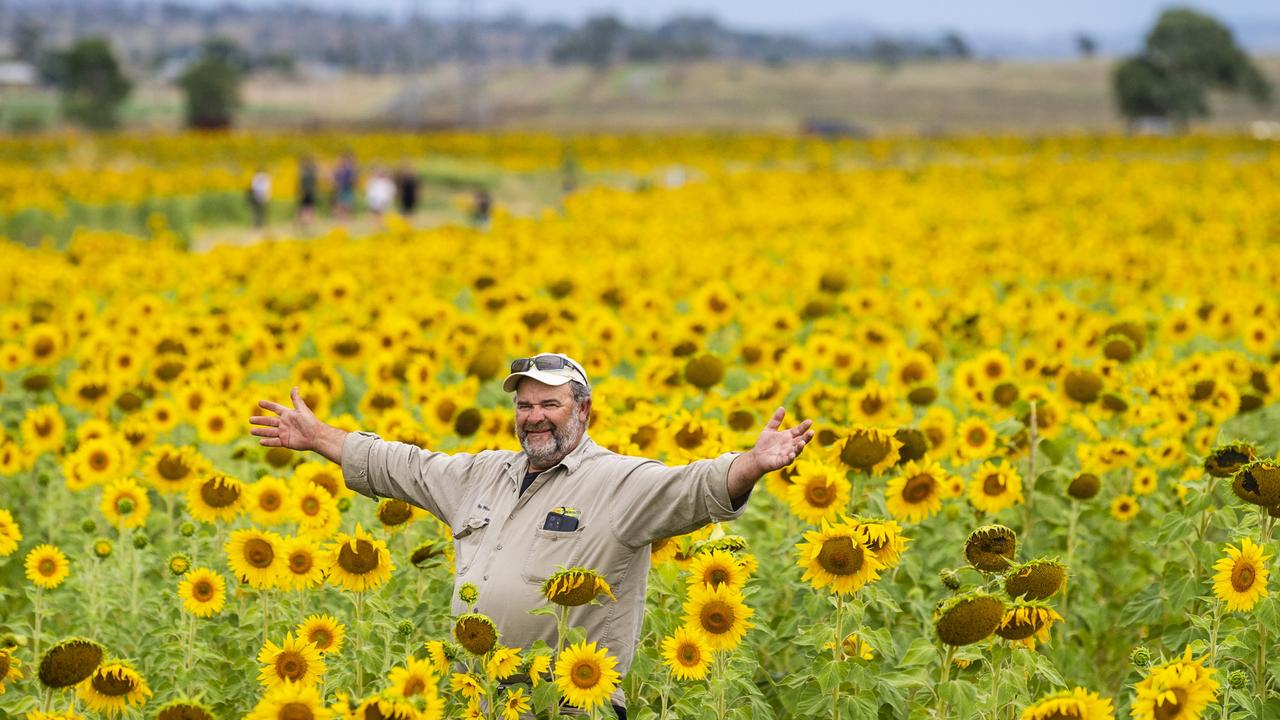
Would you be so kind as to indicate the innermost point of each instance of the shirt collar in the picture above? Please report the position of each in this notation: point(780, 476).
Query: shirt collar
point(519, 464)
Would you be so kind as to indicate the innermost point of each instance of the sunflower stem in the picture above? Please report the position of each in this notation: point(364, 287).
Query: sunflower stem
point(997, 664)
point(39, 616)
point(1073, 520)
point(837, 653)
point(357, 643)
point(719, 681)
point(264, 596)
point(48, 700)
point(944, 675)
point(190, 642)
point(1031, 475)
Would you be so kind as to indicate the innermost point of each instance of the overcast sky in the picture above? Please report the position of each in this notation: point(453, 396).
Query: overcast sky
point(1021, 17)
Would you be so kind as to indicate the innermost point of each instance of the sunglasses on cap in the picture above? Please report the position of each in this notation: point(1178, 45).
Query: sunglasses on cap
point(547, 362)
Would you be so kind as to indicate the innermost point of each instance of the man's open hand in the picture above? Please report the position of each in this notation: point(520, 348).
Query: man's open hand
point(297, 428)
point(774, 449)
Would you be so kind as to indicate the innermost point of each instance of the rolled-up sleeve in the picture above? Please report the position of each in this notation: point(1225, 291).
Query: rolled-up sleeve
point(433, 481)
point(655, 501)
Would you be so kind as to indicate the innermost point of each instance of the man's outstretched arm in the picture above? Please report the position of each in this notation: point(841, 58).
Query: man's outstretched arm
point(774, 450)
point(297, 428)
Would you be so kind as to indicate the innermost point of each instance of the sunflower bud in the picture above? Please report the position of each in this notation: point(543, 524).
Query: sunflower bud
point(187, 529)
point(1140, 658)
point(949, 578)
point(140, 540)
point(179, 564)
point(1238, 679)
point(344, 504)
point(405, 628)
point(469, 593)
point(88, 526)
point(103, 548)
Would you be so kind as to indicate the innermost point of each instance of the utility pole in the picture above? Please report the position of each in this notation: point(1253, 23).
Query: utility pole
point(471, 65)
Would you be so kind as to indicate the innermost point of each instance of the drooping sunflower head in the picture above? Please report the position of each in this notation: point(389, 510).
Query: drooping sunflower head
point(869, 450)
point(1075, 704)
point(1224, 460)
point(1082, 385)
point(1084, 486)
point(184, 709)
point(428, 554)
point(113, 687)
point(475, 632)
point(575, 586)
point(69, 662)
point(968, 618)
point(1025, 623)
point(1038, 579)
point(991, 548)
point(395, 514)
point(1258, 482)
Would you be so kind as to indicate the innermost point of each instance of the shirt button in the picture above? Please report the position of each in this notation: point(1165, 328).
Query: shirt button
point(486, 577)
point(499, 546)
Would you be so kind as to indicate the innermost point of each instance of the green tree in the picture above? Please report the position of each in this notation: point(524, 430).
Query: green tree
point(91, 83)
point(1186, 54)
point(212, 85)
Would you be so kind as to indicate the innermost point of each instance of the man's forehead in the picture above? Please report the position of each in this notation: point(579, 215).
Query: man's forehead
point(534, 391)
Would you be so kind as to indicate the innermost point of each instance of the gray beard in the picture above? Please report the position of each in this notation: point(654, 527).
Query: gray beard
point(562, 443)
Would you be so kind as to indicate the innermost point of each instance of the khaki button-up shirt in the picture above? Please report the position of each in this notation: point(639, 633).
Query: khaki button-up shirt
point(623, 504)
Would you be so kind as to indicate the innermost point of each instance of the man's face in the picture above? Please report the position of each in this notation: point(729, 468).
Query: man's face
point(548, 423)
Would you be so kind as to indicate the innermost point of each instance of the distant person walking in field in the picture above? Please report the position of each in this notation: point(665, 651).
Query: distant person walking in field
point(259, 196)
point(308, 191)
point(379, 193)
point(344, 186)
point(481, 207)
point(407, 189)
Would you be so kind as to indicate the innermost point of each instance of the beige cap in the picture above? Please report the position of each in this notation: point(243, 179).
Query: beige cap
point(570, 370)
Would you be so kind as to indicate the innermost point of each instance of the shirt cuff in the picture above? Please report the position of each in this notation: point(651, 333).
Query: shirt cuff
point(355, 462)
point(721, 504)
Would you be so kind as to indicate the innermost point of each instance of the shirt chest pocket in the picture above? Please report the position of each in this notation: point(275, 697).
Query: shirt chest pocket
point(466, 541)
point(548, 551)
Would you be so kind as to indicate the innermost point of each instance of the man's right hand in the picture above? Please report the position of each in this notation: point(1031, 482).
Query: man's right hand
point(297, 428)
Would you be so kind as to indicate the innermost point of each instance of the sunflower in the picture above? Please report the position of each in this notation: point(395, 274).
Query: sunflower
point(325, 475)
point(170, 469)
point(301, 566)
point(214, 497)
point(112, 688)
point(323, 631)
point(1026, 623)
point(817, 492)
point(10, 533)
point(184, 709)
point(1241, 579)
point(1258, 482)
point(1036, 580)
point(917, 492)
point(1124, 508)
point(835, 556)
point(314, 509)
point(43, 430)
point(869, 450)
point(975, 439)
point(1084, 486)
point(358, 562)
point(466, 685)
point(537, 667)
point(884, 539)
point(854, 647)
point(502, 663)
point(10, 668)
point(515, 705)
point(995, 487)
point(396, 514)
point(686, 654)
point(293, 661)
point(69, 662)
point(1145, 480)
point(216, 424)
point(586, 675)
point(991, 548)
point(1224, 460)
point(475, 632)
point(290, 701)
point(254, 556)
point(969, 618)
point(719, 613)
point(47, 566)
point(125, 504)
point(1074, 704)
point(100, 460)
point(575, 586)
point(268, 501)
point(179, 564)
point(1177, 690)
point(415, 677)
point(203, 592)
point(717, 567)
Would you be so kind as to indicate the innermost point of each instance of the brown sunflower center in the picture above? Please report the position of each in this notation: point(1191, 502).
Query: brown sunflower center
point(690, 438)
point(99, 460)
point(414, 686)
point(5, 663)
point(43, 427)
point(300, 563)
point(839, 556)
point(1166, 710)
point(327, 482)
point(295, 711)
point(394, 512)
point(1243, 576)
point(689, 655)
point(219, 494)
point(819, 494)
point(321, 637)
point(113, 684)
point(216, 423)
point(717, 617)
point(976, 436)
point(993, 485)
point(918, 488)
point(259, 553)
point(47, 567)
point(290, 665)
point(172, 468)
point(202, 590)
point(361, 559)
point(270, 501)
point(310, 506)
point(717, 577)
point(586, 674)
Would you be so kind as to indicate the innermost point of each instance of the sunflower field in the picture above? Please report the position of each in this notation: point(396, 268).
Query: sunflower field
point(1043, 375)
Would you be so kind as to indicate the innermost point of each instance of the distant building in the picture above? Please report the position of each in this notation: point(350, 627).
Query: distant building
point(15, 74)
